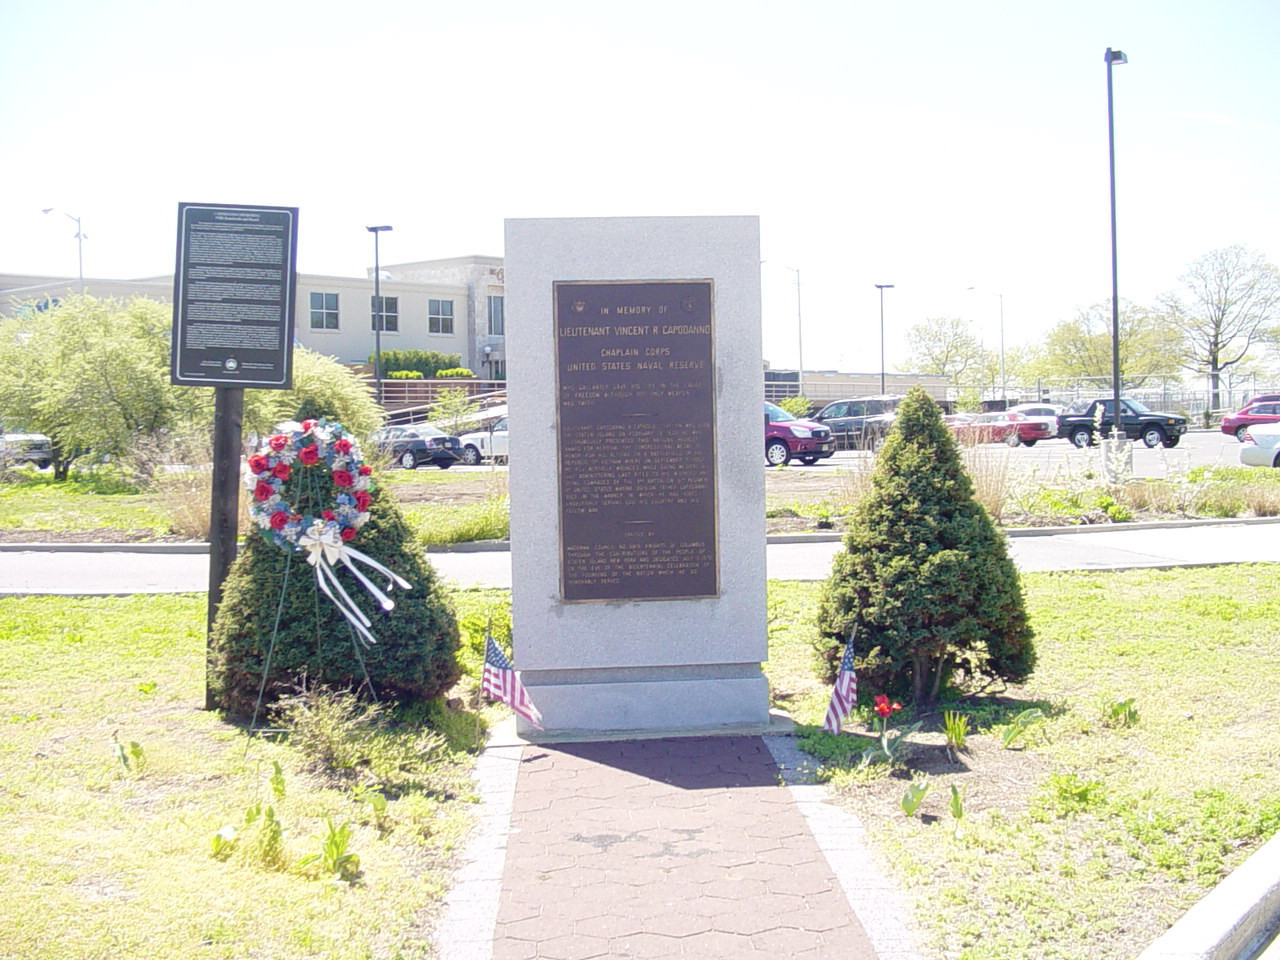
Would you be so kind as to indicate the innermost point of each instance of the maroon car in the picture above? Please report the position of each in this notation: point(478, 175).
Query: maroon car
point(1238, 423)
point(1003, 427)
point(786, 436)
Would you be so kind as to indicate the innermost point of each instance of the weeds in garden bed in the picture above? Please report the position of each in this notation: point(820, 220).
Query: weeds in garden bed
point(1087, 826)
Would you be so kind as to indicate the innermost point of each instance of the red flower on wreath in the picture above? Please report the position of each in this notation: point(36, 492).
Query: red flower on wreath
point(348, 533)
point(279, 519)
point(362, 500)
point(258, 463)
point(343, 478)
point(278, 442)
point(263, 491)
point(329, 515)
point(280, 471)
point(309, 456)
point(308, 426)
point(365, 469)
point(342, 445)
point(883, 707)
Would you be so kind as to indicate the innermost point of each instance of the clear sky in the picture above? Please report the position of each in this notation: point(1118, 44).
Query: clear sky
point(934, 145)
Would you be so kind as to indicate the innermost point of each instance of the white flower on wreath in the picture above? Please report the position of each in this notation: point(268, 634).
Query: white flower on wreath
point(289, 426)
point(287, 455)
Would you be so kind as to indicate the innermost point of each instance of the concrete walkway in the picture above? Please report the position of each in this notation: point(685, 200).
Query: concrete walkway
point(182, 568)
point(706, 847)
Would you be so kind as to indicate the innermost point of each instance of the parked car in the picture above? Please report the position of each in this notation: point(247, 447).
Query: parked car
point(1261, 446)
point(1048, 412)
point(861, 423)
point(1236, 424)
point(26, 448)
point(413, 446)
point(1261, 398)
point(488, 444)
point(1004, 426)
point(786, 436)
point(1085, 418)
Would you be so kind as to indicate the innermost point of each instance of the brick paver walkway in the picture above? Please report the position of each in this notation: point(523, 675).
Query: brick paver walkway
point(686, 847)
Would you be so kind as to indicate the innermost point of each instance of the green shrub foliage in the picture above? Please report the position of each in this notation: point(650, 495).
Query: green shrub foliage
point(417, 642)
point(797, 406)
point(924, 585)
point(426, 362)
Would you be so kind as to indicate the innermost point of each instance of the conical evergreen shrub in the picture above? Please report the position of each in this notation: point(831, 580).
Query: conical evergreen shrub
point(924, 588)
point(414, 656)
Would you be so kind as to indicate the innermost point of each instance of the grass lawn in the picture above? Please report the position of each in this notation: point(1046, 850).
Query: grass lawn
point(1155, 772)
point(38, 503)
point(108, 859)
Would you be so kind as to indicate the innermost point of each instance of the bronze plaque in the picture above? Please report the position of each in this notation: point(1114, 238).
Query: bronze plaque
point(635, 369)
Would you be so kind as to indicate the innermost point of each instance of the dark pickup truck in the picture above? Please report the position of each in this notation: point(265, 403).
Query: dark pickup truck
point(1085, 420)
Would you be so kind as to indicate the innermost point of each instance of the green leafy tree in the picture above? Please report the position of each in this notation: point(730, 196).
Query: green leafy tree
point(93, 374)
point(924, 588)
point(320, 383)
point(415, 654)
point(1079, 349)
point(1229, 306)
point(452, 410)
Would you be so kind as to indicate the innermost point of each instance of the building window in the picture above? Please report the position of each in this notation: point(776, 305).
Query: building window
point(440, 316)
point(497, 317)
point(324, 311)
point(390, 313)
point(497, 369)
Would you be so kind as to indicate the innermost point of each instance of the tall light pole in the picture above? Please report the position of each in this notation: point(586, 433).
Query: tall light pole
point(378, 312)
point(799, 337)
point(80, 239)
point(882, 287)
point(1114, 56)
point(1004, 399)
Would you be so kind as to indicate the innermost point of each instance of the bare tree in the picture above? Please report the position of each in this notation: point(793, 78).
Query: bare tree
point(1229, 303)
point(944, 347)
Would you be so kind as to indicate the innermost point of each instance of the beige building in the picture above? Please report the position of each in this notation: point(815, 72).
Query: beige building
point(451, 306)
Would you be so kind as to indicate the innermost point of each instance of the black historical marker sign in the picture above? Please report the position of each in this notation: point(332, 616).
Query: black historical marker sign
point(635, 367)
point(233, 296)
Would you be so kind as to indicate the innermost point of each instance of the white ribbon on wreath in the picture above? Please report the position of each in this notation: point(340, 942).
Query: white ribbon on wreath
point(325, 549)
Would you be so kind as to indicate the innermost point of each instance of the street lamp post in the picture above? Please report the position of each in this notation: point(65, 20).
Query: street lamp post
point(378, 312)
point(882, 287)
point(80, 238)
point(799, 337)
point(1004, 399)
point(1114, 56)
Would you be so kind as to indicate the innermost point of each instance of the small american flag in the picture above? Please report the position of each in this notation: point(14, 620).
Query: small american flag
point(501, 682)
point(844, 696)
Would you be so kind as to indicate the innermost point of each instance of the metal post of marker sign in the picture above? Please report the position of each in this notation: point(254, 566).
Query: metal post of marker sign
point(234, 292)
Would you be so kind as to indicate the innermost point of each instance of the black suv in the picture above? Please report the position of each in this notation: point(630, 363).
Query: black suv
point(861, 423)
point(1086, 418)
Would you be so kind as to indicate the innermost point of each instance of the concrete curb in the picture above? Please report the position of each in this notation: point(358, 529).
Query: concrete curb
point(1234, 919)
point(502, 546)
point(157, 548)
point(1016, 532)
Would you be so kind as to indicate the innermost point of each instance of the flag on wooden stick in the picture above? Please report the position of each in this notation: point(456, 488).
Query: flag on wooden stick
point(844, 696)
point(501, 682)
